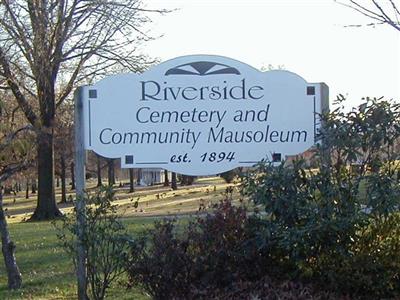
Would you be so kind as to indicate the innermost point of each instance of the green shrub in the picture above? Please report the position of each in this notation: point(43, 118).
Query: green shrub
point(104, 238)
point(305, 215)
point(335, 225)
point(372, 269)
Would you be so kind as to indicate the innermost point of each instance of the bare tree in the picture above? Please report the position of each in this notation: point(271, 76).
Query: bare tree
point(16, 145)
point(379, 11)
point(49, 46)
point(18, 161)
point(174, 185)
point(98, 170)
point(166, 179)
point(63, 144)
point(131, 181)
point(111, 171)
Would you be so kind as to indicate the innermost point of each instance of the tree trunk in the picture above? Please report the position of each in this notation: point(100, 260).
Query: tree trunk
point(8, 248)
point(99, 181)
point(63, 175)
point(72, 170)
point(27, 189)
point(58, 182)
point(33, 186)
point(46, 207)
point(139, 176)
point(111, 174)
point(7, 190)
point(187, 180)
point(166, 179)
point(174, 186)
point(131, 179)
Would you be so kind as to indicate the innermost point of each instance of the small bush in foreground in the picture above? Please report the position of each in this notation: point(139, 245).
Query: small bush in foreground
point(170, 261)
point(105, 240)
point(213, 257)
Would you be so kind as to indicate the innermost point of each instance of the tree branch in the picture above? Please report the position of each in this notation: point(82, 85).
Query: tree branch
point(8, 139)
point(22, 102)
point(377, 13)
point(9, 170)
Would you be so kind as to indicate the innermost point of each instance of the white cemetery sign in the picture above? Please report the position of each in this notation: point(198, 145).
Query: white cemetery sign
point(201, 115)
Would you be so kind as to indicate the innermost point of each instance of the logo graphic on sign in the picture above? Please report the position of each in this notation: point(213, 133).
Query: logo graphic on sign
point(201, 115)
point(202, 68)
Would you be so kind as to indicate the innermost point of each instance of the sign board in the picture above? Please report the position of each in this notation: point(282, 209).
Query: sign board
point(200, 115)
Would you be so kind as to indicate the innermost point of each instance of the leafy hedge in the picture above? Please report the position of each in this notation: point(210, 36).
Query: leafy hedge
point(327, 233)
point(337, 226)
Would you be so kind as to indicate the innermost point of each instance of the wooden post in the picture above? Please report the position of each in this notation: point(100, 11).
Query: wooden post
point(80, 161)
point(324, 90)
point(131, 183)
point(324, 96)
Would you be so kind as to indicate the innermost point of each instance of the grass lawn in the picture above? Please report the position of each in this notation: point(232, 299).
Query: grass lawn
point(48, 273)
point(154, 200)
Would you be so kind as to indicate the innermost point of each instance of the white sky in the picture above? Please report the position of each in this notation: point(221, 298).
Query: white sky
point(307, 37)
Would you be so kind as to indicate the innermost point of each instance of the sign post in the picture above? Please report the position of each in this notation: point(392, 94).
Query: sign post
point(324, 94)
point(80, 162)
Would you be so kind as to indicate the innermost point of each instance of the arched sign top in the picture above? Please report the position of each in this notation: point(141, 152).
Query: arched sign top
point(201, 115)
point(208, 62)
point(203, 65)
